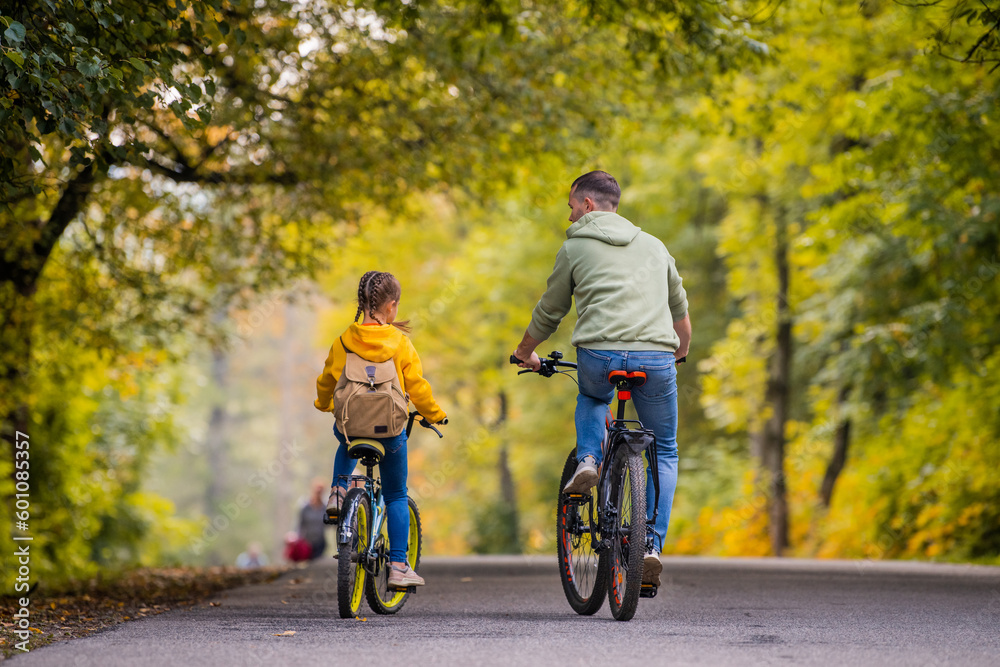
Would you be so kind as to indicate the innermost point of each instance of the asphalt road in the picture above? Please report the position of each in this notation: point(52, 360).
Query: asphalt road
point(511, 611)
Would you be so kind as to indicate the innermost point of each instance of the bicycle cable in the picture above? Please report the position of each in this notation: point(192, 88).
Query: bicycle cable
point(567, 374)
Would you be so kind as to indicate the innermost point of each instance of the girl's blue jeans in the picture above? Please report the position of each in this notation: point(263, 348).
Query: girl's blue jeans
point(393, 471)
point(656, 404)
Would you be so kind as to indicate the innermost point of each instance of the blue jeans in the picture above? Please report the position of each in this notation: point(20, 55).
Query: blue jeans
point(392, 470)
point(656, 404)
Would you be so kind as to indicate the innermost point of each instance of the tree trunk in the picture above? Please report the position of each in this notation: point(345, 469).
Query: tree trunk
point(27, 248)
point(217, 443)
point(508, 492)
point(841, 440)
point(285, 514)
point(772, 438)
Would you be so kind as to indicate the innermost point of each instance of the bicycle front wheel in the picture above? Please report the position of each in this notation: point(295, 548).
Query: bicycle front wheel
point(583, 574)
point(627, 534)
point(352, 542)
point(381, 598)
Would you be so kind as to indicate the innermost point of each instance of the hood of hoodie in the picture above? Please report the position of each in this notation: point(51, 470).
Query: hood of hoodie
point(604, 226)
point(374, 343)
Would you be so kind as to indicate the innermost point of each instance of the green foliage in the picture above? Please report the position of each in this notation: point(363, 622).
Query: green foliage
point(70, 70)
point(134, 219)
point(966, 31)
point(436, 140)
point(493, 530)
point(883, 162)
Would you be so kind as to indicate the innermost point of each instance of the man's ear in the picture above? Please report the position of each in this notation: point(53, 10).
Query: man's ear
point(588, 203)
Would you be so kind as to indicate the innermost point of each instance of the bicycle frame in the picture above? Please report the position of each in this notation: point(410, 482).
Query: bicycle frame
point(373, 489)
point(613, 441)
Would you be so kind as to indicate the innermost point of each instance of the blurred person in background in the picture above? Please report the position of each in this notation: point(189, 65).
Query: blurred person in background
point(252, 557)
point(311, 526)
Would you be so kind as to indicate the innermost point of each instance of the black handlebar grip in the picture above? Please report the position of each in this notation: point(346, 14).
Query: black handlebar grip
point(515, 360)
point(682, 360)
point(444, 422)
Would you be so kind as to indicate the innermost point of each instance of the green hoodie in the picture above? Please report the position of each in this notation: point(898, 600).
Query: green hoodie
point(628, 292)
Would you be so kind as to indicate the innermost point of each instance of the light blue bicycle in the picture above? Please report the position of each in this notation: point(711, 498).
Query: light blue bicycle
point(363, 537)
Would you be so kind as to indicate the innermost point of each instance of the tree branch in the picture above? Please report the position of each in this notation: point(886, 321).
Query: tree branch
point(74, 195)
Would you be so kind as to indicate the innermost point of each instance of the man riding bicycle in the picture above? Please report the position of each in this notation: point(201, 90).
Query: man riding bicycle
point(632, 316)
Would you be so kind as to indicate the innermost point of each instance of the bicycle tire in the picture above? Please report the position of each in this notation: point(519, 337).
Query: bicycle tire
point(381, 598)
point(355, 516)
point(627, 535)
point(581, 569)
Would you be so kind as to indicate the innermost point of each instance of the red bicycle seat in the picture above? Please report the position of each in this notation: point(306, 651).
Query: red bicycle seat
point(634, 379)
point(638, 378)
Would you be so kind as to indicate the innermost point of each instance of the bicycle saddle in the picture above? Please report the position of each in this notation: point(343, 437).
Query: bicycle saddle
point(361, 448)
point(633, 379)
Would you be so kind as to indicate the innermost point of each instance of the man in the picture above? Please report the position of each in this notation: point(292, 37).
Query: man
point(632, 316)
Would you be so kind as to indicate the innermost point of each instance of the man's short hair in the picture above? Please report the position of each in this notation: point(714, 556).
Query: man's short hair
point(600, 186)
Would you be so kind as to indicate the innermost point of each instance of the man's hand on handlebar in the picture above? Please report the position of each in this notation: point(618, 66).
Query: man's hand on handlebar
point(532, 362)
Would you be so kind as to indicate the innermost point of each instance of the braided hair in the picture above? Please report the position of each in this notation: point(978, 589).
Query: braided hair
point(376, 289)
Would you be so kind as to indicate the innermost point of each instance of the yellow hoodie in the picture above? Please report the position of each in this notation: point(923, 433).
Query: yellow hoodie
point(379, 343)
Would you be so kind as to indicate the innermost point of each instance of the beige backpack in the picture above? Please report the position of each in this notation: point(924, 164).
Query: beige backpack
point(368, 401)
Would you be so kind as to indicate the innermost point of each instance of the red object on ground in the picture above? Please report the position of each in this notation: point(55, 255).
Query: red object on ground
point(297, 550)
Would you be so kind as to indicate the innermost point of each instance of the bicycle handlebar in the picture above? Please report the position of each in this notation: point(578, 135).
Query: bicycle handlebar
point(423, 422)
point(550, 366)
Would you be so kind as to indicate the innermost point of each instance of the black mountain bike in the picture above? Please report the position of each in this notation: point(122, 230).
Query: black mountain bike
point(602, 535)
point(363, 536)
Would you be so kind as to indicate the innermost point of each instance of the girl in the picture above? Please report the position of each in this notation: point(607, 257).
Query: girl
point(379, 338)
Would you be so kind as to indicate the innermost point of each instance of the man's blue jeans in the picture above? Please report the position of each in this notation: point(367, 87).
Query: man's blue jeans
point(656, 404)
point(393, 472)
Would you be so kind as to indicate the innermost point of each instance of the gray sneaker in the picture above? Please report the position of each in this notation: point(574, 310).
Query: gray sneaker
point(651, 568)
point(584, 478)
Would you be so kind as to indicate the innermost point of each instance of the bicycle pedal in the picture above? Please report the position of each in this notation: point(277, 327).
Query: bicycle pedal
point(408, 589)
point(648, 591)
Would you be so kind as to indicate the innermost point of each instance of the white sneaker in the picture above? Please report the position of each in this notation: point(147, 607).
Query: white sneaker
point(584, 478)
point(651, 568)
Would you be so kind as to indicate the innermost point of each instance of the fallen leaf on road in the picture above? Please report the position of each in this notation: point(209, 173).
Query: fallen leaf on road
point(465, 579)
point(214, 604)
point(283, 602)
point(286, 633)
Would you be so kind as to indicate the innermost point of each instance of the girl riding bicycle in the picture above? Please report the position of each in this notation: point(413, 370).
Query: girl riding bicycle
point(379, 338)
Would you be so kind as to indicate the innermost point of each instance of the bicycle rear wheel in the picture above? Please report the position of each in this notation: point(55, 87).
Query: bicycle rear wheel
point(627, 534)
point(352, 541)
point(582, 571)
point(381, 598)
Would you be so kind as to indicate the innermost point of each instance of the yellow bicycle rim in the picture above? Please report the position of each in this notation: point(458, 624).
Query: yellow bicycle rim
point(359, 572)
point(411, 557)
